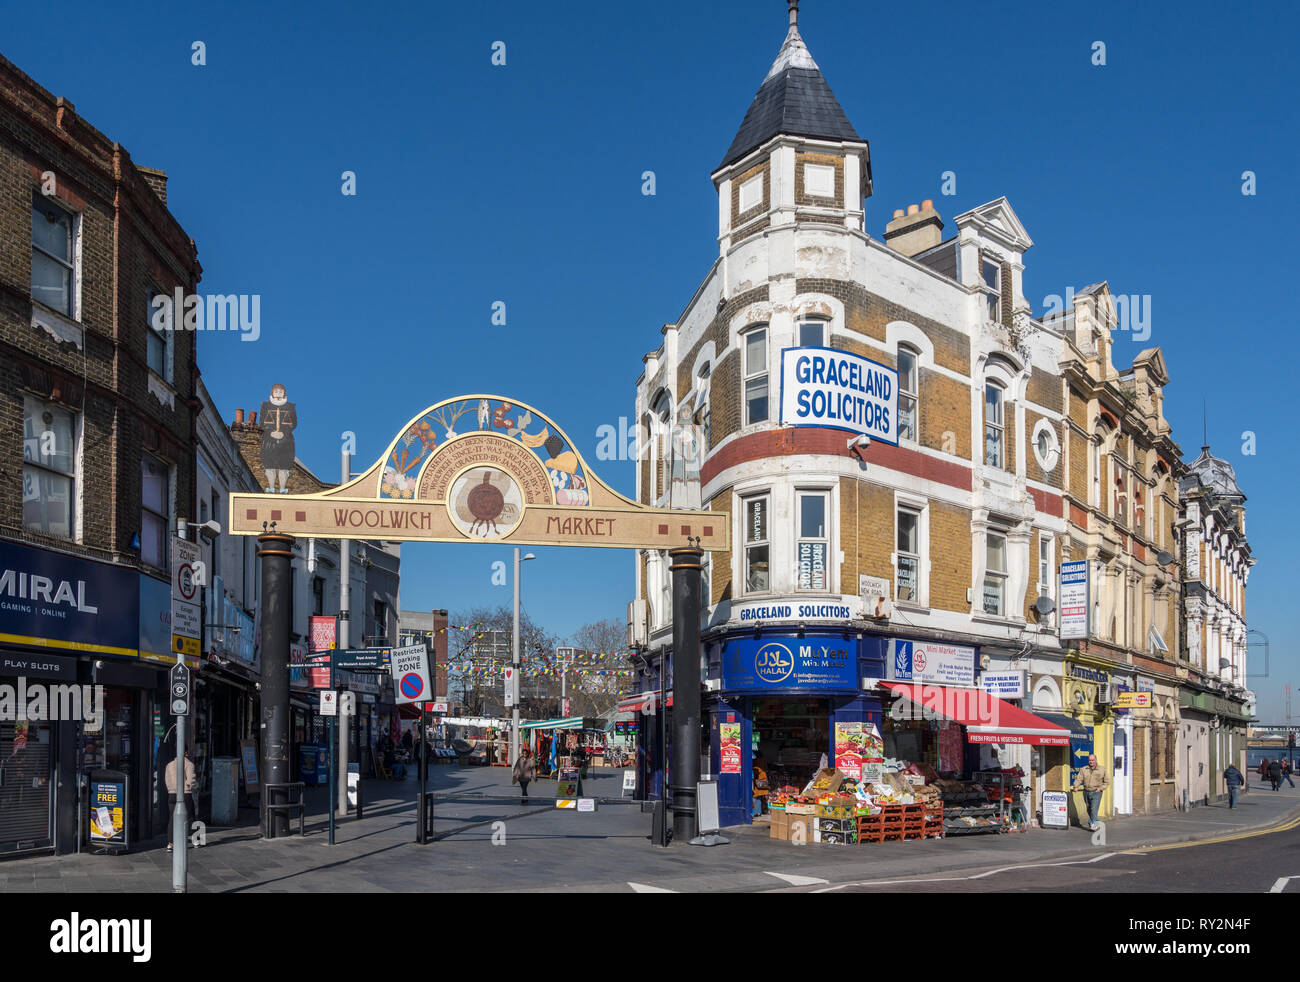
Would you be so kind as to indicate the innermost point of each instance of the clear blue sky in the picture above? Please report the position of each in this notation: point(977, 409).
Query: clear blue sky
point(523, 183)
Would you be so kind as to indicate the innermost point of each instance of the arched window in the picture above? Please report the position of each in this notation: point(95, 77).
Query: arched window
point(994, 425)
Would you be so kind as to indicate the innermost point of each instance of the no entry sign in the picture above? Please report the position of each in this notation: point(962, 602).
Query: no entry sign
point(410, 668)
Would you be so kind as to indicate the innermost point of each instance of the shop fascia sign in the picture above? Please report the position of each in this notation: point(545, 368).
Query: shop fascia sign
point(800, 609)
point(931, 661)
point(840, 391)
point(480, 468)
point(1004, 685)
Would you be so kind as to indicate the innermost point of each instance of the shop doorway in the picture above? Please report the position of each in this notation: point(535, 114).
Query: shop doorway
point(790, 735)
point(1123, 781)
point(26, 791)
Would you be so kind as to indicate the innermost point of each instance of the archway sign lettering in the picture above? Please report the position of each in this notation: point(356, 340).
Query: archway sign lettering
point(479, 469)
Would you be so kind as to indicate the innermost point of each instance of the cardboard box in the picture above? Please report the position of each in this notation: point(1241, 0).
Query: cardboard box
point(840, 838)
point(837, 825)
point(803, 828)
point(778, 830)
point(835, 811)
point(795, 808)
point(828, 779)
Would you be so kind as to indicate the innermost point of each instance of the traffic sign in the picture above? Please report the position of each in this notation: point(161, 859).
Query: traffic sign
point(179, 689)
point(329, 703)
point(186, 623)
point(410, 670)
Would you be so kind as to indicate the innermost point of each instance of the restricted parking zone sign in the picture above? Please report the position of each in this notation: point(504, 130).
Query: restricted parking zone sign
point(410, 670)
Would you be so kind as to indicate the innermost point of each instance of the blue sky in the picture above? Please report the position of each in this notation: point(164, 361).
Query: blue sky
point(522, 183)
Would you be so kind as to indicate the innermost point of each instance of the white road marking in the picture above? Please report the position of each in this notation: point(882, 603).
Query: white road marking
point(975, 876)
point(644, 888)
point(1281, 883)
point(795, 880)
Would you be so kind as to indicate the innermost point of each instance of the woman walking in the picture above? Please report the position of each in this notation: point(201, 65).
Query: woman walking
point(523, 772)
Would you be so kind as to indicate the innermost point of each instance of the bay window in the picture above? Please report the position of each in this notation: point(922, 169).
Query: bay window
point(757, 547)
point(813, 540)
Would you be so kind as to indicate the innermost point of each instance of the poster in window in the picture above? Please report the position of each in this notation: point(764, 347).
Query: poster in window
point(729, 741)
point(850, 748)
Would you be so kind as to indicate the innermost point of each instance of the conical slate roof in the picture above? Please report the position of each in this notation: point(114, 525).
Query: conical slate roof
point(1216, 474)
point(793, 100)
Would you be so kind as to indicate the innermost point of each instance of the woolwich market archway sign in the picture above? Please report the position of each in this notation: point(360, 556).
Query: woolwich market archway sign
point(479, 469)
point(476, 469)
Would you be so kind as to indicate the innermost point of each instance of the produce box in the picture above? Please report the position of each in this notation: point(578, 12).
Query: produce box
point(835, 811)
point(837, 824)
point(840, 838)
point(828, 779)
point(802, 827)
point(778, 830)
point(798, 808)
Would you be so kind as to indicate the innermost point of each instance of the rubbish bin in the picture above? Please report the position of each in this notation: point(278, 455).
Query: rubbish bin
point(225, 791)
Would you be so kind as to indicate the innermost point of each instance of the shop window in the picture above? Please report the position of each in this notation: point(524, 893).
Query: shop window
point(154, 486)
point(907, 394)
point(994, 425)
point(756, 409)
point(53, 255)
point(49, 468)
point(907, 569)
point(813, 539)
point(995, 574)
point(757, 545)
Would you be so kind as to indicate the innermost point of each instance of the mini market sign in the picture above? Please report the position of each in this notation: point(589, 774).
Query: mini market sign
point(479, 468)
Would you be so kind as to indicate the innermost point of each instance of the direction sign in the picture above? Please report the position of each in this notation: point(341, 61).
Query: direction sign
point(410, 670)
point(179, 689)
point(360, 659)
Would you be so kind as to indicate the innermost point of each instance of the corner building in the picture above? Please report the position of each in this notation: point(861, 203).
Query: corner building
point(920, 559)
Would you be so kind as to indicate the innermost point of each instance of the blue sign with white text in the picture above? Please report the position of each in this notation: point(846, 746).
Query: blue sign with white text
point(818, 662)
point(48, 597)
point(1080, 750)
point(839, 390)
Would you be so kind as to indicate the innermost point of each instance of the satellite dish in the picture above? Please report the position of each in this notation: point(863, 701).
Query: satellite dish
point(1164, 558)
point(1044, 606)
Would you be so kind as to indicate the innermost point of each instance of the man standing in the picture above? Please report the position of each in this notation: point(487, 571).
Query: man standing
point(1234, 779)
point(1092, 781)
point(1275, 773)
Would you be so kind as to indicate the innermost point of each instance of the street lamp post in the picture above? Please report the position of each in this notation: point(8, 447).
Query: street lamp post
point(514, 661)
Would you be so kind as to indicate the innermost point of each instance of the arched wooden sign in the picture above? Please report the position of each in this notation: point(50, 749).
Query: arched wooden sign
point(479, 469)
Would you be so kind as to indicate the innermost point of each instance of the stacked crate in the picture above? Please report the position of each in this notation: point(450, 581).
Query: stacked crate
point(933, 821)
point(894, 822)
point(913, 821)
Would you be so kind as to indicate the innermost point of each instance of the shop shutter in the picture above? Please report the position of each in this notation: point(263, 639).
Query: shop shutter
point(25, 784)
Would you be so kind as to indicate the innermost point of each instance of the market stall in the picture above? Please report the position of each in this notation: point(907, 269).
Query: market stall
point(570, 741)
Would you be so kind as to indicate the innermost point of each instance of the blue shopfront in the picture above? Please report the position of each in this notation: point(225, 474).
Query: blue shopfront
point(785, 690)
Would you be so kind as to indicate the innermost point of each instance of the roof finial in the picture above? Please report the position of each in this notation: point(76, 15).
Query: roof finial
point(1205, 427)
point(794, 14)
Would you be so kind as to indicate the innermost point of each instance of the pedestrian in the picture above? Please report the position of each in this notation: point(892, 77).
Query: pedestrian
point(1263, 769)
point(761, 788)
point(1286, 773)
point(523, 772)
point(169, 778)
point(1092, 781)
point(1275, 774)
point(408, 739)
point(1234, 779)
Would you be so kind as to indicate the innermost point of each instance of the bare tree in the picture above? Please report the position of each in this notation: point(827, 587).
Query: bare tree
point(483, 640)
point(596, 681)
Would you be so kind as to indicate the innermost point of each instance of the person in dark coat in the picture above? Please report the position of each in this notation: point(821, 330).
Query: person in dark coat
point(1275, 774)
point(1286, 772)
point(279, 420)
point(1234, 779)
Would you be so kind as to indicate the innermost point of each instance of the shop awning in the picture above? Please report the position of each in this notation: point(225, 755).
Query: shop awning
point(987, 718)
point(642, 702)
point(565, 723)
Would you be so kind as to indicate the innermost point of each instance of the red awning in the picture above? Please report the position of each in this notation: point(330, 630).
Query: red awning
point(987, 718)
point(642, 702)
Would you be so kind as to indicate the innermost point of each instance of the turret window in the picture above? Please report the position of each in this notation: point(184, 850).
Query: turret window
point(756, 410)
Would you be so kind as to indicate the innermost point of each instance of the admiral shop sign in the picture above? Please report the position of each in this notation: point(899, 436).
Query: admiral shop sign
point(827, 662)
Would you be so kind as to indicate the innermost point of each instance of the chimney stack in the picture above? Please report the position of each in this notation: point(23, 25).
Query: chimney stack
point(252, 418)
point(239, 417)
point(916, 231)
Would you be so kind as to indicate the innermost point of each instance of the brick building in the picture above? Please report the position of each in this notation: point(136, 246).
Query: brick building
point(97, 425)
point(920, 557)
point(1122, 469)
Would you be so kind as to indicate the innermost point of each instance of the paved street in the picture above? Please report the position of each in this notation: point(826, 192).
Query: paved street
point(540, 848)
